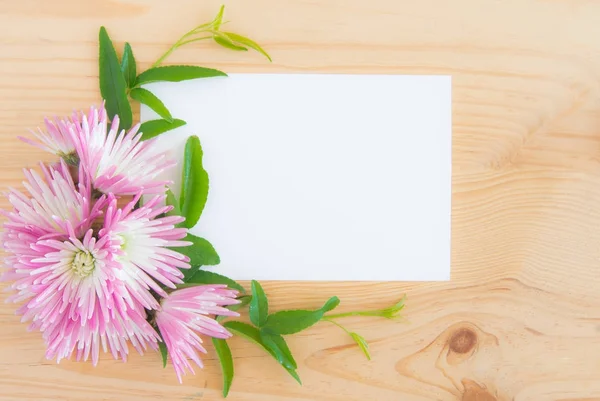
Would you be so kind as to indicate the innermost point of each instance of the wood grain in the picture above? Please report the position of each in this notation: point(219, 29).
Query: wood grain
point(520, 319)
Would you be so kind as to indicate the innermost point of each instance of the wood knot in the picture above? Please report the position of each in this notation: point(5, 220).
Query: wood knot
point(462, 341)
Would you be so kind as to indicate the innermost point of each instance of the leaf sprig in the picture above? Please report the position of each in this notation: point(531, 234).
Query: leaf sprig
point(392, 312)
point(120, 81)
point(212, 30)
point(113, 86)
point(267, 330)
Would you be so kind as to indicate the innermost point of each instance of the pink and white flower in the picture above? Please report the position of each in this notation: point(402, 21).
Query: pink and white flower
point(57, 139)
point(93, 275)
point(73, 296)
point(185, 314)
point(118, 162)
point(85, 283)
point(140, 240)
point(54, 203)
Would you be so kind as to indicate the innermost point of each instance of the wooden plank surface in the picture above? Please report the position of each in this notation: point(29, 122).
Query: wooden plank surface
point(520, 319)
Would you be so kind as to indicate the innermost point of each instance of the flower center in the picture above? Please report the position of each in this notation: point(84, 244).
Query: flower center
point(70, 158)
point(124, 242)
point(83, 263)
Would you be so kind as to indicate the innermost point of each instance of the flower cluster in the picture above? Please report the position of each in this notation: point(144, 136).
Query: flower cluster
point(94, 267)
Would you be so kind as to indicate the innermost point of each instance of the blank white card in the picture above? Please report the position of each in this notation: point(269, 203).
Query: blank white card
point(320, 176)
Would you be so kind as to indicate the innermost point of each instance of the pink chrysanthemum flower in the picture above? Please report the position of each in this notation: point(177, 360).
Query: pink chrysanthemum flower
point(186, 313)
point(88, 271)
point(118, 163)
point(85, 283)
point(141, 242)
point(77, 301)
point(53, 204)
point(56, 139)
point(65, 275)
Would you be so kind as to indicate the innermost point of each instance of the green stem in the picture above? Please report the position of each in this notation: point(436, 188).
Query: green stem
point(337, 324)
point(348, 314)
point(388, 313)
point(194, 40)
point(164, 56)
point(206, 27)
point(200, 28)
point(182, 41)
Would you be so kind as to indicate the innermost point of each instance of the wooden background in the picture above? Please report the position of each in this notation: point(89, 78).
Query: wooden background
point(520, 319)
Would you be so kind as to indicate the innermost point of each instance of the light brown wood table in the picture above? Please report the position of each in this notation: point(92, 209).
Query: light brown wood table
point(520, 319)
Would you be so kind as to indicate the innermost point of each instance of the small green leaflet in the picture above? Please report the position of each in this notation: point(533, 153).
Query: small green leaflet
point(206, 277)
point(224, 354)
point(294, 321)
point(201, 253)
point(279, 348)
point(112, 82)
point(194, 183)
point(219, 18)
point(176, 73)
point(172, 201)
point(394, 311)
point(259, 305)
point(253, 334)
point(244, 300)
point(223, 40)
point(128, 67)
point(362, 343)
point(152, 128)
point(163, 352)
point(148, 98)
point(240, 40)
point(294, 374)
point(245, 330)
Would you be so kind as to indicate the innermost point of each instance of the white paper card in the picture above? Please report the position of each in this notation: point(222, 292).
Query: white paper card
point(321, 176)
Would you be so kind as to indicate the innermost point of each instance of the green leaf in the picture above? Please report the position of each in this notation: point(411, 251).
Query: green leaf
point(172, 201)
point(242, 40)
point(294, 321)
point(280, 349)
point(330, 305)
point(194, 188)
point(201, 253)
point(112, 82)
point(244, 300)
point(206, 277)
point(128, 67)
point(163, 352)
point(153, 128)
point(224, 354)
point(362, 343)
point(294, 375)
point(245, 330)
point(259, 305)
point(253, 334)
point(177, 73)
point(223, 40)
point(394, 310)
point(219, 18)
point(148, 98)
